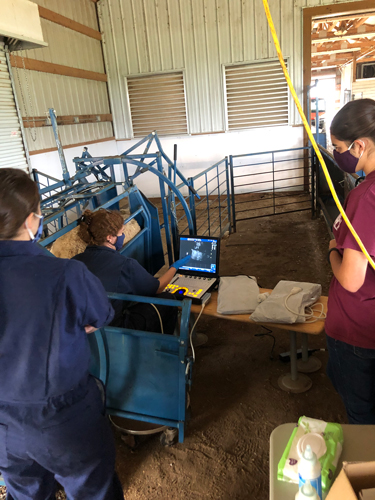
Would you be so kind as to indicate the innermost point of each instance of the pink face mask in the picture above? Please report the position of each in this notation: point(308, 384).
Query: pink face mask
point(346, 161)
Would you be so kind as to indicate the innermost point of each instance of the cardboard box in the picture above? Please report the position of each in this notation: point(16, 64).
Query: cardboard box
point(367, 494)
point(354, 477)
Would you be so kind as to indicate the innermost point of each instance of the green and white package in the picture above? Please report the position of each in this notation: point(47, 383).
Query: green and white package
point(333, 436)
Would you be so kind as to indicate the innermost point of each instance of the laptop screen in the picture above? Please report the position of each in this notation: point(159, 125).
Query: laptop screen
point(204, 254)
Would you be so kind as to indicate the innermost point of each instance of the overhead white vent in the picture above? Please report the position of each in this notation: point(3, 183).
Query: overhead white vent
point(256, 95)
point(20, 26)
point(157, 102)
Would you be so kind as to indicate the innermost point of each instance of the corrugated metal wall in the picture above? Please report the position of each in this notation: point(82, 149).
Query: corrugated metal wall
point(198, 36)
point(37, 91)
point(364, 88)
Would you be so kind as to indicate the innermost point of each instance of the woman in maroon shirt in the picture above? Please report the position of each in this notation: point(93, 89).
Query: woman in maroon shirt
point(350, 324)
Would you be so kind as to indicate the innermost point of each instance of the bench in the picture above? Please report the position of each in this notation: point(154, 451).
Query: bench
point(296, 381)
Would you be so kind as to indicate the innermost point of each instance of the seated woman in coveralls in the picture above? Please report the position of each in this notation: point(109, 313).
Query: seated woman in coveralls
point(52, 426)
point(102, 231)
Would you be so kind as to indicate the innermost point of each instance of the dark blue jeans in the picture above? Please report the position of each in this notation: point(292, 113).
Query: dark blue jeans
point(352, 373)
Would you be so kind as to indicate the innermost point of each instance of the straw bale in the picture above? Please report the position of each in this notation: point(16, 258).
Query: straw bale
point(70, 244)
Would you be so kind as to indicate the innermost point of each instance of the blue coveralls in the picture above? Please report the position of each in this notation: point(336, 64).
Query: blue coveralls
point(52, 425)
point(118, 274)
point(121, 274)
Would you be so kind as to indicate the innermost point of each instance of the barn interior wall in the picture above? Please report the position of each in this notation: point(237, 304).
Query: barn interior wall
point(199, 37)
point(50, 163)
point(152, 36)
point(346, 80)
point(70, 96)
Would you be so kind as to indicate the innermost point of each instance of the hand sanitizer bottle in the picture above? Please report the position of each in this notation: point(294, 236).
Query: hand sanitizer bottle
point(307, 492)
point(309, 468)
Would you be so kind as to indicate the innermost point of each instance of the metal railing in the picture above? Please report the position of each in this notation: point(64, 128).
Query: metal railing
point(210, 210)
point(63, 202)
point(270, 183)
point(322, 196)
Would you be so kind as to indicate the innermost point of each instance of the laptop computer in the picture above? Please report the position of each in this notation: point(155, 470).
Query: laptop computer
point(201, 273)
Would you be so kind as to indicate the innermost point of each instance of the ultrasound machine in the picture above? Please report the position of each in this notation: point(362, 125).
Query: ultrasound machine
point(201, 273)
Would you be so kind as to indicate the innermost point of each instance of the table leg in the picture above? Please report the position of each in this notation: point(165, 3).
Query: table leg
point(294, 382)
point(307, 364)
point(293, 356)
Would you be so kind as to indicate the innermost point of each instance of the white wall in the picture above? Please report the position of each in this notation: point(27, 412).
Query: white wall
point(49, 163)
point(196, 153)
point(346, 80)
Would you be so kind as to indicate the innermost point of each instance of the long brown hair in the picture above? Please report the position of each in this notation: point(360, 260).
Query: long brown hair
point(19, 197)
point(95, 227)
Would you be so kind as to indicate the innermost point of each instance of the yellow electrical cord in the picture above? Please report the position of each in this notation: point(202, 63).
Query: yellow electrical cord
point(311, 137)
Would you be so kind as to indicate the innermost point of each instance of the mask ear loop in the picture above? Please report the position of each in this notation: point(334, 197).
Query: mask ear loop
point(364, 147)
point(363, 144)
point(32, 236)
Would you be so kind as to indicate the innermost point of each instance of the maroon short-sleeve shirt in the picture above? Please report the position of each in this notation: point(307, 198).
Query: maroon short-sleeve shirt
point(351, 316)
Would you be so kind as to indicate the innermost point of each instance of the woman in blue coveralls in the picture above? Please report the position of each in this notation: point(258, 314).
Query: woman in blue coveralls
point(52, 426)
point(102, 231)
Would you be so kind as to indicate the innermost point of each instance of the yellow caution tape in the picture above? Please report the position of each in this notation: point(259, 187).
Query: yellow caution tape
point(311, 137)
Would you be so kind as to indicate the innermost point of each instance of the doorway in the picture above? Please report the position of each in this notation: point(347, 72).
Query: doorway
point(338, 57)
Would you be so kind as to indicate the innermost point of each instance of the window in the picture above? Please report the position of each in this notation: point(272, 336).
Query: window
point(157, 102)
point(256, 95)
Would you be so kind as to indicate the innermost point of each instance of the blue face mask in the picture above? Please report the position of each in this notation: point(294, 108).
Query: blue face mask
point(36, 237)
point(119, 242)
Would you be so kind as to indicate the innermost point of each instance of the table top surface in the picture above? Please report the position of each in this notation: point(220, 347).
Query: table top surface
point(315, 328)
point(359, 445)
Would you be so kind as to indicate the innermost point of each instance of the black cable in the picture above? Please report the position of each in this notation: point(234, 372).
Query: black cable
point(268, 333)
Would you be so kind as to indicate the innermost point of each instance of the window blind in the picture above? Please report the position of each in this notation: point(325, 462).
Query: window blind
point(256, 95)
point(157, 102)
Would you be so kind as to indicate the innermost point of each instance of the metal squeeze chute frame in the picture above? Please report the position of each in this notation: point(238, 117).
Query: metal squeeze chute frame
point(155, 166)
point(146, 374)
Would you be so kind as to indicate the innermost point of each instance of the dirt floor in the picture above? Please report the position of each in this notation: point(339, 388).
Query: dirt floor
point(235, 399)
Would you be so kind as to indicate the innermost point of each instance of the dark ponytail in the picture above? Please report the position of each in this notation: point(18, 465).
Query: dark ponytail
point(95, 227)
point(19, 197)
point(355, 120)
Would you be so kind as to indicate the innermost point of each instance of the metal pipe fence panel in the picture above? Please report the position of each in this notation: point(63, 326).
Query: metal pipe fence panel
point(270, 183)
point(211, 212)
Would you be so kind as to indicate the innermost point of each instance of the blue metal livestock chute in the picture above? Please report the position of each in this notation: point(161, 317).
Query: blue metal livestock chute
point(146, 375)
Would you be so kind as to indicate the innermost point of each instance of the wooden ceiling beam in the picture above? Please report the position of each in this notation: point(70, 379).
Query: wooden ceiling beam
point(350, 34)
point(337, 51)
point(337, 47)
point(364, 54)
point(360, 22)
point(341, 61)
point(315, 68)
point(337, 58)
point(325, 72)
point(364, 15)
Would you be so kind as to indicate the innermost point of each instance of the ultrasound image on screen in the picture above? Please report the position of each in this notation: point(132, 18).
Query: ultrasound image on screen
point(203, 254)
